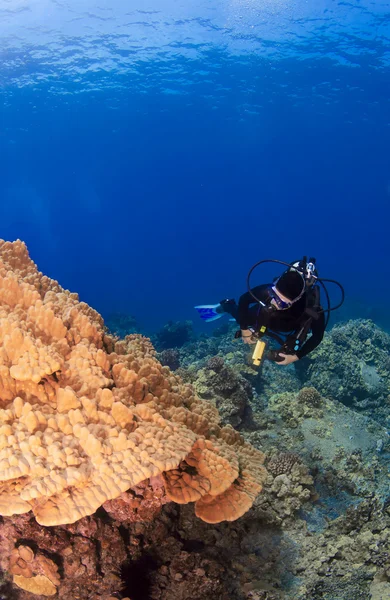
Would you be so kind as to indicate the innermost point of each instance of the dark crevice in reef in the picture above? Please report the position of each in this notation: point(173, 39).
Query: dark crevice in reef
point(98, 547)
point(125, 535)
point(7, 591)
point(136, 579)
point(103, 516)
point(193, 546)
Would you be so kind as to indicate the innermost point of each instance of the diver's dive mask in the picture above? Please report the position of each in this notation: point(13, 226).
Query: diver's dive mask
point(279, 304)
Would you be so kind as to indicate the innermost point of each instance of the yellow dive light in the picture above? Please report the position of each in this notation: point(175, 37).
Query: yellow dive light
point(258, 353)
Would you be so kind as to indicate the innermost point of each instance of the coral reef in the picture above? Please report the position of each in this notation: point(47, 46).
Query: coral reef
point(324, 458)
point(285, 491)
point(229, 391)
point(170, 358)
point(162, 556)
point(352, 366)
point(360, 538)
point(77, 561)
point(88, 420)
point(33, 572)
point(174, 335)
point(141, 504)
point(296, 407)
point(340, 447)
point(82, 425)
point(309, 396)
point(142, 483)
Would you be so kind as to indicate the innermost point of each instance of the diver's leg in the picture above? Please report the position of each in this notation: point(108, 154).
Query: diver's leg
point(229, 306)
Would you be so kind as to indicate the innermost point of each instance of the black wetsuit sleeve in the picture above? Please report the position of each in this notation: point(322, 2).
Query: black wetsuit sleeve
point(246, 300)
point(317, 330)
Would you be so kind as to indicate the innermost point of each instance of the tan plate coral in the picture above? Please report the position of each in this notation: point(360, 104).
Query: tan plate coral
point(84, 417)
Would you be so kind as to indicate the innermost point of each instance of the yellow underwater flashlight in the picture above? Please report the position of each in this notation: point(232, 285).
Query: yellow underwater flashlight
point(258, 353)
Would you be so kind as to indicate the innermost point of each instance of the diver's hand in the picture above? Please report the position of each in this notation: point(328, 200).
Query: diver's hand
point(247, 338)
point(287, 359)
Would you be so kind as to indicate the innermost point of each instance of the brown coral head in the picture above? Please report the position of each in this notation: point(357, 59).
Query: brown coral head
point(310, 396)
point(282, 463)
point(170, 358)
point(215, 363)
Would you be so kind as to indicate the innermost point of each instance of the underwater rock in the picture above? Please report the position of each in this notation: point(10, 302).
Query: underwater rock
point(188, 577)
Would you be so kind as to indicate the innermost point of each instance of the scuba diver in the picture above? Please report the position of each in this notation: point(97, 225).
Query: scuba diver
point(287, 311)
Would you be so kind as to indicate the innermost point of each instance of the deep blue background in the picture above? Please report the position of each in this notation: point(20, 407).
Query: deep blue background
point(148, 200)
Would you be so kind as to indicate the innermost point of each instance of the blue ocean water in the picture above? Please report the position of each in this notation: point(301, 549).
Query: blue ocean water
point(151, 151)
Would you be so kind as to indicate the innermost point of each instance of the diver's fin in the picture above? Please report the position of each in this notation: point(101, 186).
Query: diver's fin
point(209, 312)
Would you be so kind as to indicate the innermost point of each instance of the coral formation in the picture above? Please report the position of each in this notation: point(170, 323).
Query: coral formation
point(282, 463)
point(141, 504)
point(289, 486)
point(296, 407)
point(174, 335)
point(360, 538)
point(90, 422)
point(33, 572)
point(85, 418)
point(323, 457)
point(352, 365)
point(170, 358)
point(310, 396)
point(229, 391)
point(73, 562)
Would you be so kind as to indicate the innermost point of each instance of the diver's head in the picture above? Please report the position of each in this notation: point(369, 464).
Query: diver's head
point(287, 290)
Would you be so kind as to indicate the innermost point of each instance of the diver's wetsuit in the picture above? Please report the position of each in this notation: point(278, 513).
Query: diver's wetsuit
point(248, 313)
